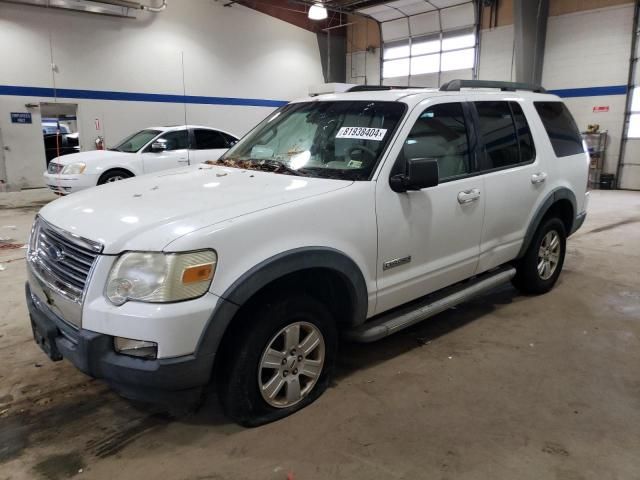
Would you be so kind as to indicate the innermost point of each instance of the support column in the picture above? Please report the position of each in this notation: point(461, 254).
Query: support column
point(530, 31)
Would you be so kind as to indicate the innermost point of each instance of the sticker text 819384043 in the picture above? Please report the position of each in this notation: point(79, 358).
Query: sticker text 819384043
point(362, 133)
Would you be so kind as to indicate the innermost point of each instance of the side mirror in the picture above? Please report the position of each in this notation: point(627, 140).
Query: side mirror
point(158, 146)
point(421, 173)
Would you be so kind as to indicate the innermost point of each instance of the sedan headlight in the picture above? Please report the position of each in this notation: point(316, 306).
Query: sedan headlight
point(74, 169)
point(160, 277)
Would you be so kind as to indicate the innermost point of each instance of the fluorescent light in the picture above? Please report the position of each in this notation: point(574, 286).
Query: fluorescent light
point(317, 12)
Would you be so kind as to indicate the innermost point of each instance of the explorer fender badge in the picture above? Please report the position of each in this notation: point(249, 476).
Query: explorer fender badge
point(396, 262)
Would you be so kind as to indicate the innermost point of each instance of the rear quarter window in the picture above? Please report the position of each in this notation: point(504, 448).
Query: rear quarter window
point(561, 128)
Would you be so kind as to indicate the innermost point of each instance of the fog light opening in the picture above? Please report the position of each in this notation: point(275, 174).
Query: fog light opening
point(135, 348)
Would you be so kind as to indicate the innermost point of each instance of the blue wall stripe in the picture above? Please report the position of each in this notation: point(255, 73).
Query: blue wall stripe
point(136, 97)
point(590, 91)
point(243, 102)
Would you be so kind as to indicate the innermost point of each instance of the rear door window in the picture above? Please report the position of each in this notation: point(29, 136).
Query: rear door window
point(505, 133)
point(525, 139)
point(209, 139)
point(497, 129)
point(562, 130)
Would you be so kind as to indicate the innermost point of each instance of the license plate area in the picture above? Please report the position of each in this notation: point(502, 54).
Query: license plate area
point(46, 339)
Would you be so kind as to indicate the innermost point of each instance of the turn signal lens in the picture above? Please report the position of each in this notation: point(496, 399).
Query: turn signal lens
point(197, 273)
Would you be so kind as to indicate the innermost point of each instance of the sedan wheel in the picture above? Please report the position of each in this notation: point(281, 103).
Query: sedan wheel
point(114, 178)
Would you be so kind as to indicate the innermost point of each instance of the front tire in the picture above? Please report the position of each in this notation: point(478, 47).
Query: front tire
point(539, 269)
point(113, 176)
point(281, 359)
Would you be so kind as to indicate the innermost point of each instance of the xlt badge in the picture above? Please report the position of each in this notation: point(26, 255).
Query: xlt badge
point(396, 262)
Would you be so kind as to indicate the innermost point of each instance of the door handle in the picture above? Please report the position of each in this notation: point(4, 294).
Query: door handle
point(468, 196)
point(183, 160)
point(539, 177)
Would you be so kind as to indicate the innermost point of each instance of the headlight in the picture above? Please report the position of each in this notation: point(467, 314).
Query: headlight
point(160, 277)
point(74, 168)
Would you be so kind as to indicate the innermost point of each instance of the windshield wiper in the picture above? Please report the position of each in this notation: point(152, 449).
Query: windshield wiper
point(337, 173)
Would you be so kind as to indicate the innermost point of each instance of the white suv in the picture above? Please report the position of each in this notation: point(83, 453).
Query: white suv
point(147, 151)
point(356, 214)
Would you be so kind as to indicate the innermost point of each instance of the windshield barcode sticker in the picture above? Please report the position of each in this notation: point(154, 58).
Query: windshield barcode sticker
point(361, 133)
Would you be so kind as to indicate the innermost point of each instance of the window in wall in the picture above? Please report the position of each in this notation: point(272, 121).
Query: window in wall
point(440, 133)
point(634, 116)
point(561, 128)
point(434, 53)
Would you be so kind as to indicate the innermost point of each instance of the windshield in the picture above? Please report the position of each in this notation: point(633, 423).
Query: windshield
point(322, 139)
point(136, 141)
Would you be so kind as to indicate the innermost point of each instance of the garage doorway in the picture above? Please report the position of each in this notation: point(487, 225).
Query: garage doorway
point(3, 168)
point(59, 129)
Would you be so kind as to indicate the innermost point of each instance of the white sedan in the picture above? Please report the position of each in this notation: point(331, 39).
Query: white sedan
point(149, 150)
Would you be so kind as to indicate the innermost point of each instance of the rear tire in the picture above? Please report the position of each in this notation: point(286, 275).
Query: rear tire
point(280, 359)
point(539, 269)
point(113, 176)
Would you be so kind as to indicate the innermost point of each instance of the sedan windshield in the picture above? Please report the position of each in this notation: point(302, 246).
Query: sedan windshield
point(341, 140)
point(135, 142)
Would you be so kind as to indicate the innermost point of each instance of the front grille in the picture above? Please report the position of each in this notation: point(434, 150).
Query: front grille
point(62, 260)
point(54, 168)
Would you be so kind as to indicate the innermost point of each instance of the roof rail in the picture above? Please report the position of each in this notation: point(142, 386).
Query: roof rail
point(456, 85)
point(374, 88)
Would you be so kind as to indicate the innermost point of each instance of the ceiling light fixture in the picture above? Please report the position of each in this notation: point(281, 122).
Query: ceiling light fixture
point(317, 12)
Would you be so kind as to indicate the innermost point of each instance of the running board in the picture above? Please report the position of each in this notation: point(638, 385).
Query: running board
point(429, 306)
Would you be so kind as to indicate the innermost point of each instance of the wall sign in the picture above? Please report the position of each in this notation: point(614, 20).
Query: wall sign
point(601, 108)
point(20, 117)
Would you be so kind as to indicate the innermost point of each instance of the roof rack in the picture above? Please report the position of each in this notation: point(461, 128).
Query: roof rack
point(456, 85)
point(374, 88)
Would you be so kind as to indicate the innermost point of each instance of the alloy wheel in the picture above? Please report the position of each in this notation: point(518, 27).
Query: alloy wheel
point(291, 364)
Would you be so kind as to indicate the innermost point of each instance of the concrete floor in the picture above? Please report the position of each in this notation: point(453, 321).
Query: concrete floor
point(504, 387)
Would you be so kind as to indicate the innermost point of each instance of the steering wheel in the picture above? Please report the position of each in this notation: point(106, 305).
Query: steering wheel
point(364, 149)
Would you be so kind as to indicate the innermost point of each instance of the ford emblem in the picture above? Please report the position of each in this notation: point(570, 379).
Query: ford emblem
point(54, 253)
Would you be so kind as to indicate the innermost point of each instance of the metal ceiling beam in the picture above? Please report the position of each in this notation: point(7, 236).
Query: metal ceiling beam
point(112, 8)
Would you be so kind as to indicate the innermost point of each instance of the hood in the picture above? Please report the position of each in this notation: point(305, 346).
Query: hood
point(92, 156)
point(149, 212)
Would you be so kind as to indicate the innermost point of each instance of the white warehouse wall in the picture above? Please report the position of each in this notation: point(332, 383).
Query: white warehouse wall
point(583, 50)
point(591, 49)
point(496, 54)
point(228, 52)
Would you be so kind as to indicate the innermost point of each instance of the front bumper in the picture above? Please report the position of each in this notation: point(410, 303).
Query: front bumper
point(66, 184)
point(167, 381)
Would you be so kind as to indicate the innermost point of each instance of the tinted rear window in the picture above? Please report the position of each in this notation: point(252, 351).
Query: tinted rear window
point(561, 128)
point(498, 130)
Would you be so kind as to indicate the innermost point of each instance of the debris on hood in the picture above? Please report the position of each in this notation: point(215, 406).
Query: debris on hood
point(264, 165)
